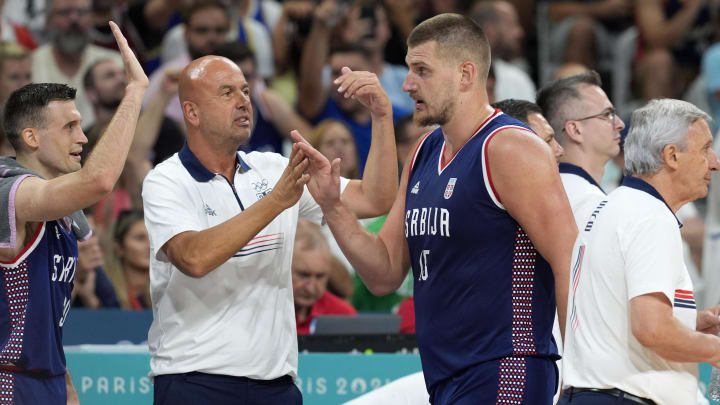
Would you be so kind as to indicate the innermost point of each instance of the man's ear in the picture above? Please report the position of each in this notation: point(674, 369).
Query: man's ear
point(190, 111)
point(572, 131)
point(468, 74)
point(670, 155)
point(30, 138)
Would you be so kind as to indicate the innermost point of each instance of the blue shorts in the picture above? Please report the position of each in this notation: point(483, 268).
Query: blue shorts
point(511, 380)
point(212, 389)
point(29, 389)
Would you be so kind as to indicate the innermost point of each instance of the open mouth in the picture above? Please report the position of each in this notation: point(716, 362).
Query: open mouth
point(243, 121)
point(76, 156)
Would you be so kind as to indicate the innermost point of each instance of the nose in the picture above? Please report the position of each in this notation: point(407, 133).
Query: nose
point(83, 139)
point(713, 162)
point(619, 121)
point(408, 84)
point(558, 149)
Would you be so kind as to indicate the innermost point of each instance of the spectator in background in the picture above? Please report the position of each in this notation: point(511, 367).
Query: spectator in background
point(499, 21)
point(143, 22)
point(710, 69)
point(273, 117)
point(319, 102)
point(241, 27)
point(205, 28)
point(407, 133)
point(15, 72)
point(14, 32)
point(93, 289)
point(583, 31)
point(673, 36)
point(367, 24)
point(69, 53)
point(333, 139)
point(130, 267)
point(157, 136)
point(311, 267)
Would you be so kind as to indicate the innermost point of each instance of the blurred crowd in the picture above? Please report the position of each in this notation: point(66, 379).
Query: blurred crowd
point(290, 51)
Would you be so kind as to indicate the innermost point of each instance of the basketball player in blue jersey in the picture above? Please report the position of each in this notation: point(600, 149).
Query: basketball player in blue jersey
point(41, 194)
point(482, 218)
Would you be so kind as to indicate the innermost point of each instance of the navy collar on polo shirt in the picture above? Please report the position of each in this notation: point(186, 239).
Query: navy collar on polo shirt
point(642, 185)
point(197, 170)
point(578, 171)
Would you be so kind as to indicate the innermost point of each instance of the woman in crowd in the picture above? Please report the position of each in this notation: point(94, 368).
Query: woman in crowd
point(129, 268)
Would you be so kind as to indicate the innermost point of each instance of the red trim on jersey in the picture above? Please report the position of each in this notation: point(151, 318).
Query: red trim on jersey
point(487, 158)
point(417, 148)
point(27, 246)
point(443, 165)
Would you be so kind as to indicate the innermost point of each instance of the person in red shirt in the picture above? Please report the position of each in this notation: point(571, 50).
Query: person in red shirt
point(311, 266)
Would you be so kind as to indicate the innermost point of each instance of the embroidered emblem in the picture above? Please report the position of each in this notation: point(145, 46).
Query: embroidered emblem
point(415, 188)
point(209, 211)
point(450, 187)
point(261, 188)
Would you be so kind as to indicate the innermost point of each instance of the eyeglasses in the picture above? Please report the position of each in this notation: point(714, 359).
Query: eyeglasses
point(609, 114)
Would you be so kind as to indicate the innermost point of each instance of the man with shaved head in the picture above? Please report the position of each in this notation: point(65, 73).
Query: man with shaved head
point(222, 226)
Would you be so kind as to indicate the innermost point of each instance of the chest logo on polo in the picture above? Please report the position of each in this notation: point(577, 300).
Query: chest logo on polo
point(262, 188)
point(209, 211)
point(450, 187)
point(415, 188)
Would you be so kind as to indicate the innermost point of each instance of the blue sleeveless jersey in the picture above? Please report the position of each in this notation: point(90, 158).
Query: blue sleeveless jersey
point(35, 299)
point(482, 291)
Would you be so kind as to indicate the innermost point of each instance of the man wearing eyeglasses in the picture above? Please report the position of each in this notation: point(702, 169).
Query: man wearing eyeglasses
point(588, 129)
point(68, 54)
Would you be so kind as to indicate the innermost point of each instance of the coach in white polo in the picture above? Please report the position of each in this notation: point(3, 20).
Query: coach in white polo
point(633, 334)
point(222, 225)
point(588, 129)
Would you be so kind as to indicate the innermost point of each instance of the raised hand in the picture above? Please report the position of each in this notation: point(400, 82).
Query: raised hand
point(324, 183)
point(291, 184)
point(364, 87)
point(136, 74)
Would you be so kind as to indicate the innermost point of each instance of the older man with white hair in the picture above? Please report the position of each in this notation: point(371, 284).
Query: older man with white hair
point(634, 335)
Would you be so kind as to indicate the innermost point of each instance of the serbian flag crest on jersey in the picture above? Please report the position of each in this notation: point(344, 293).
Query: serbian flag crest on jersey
point(450, 187)
point(684, 299)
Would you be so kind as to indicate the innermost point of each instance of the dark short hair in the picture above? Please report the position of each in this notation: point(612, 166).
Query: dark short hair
point(236, 51)
point(518, 109)
point(561, 93)
point(348, 47)
point(125, 220)
point(199, 5)
point(26, 108)
point(88, 79)
point(457, 36)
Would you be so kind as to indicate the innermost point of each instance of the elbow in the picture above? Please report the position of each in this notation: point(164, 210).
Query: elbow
point(380, 290)
point(192, 266)
point(102, 182)
point(647, 335)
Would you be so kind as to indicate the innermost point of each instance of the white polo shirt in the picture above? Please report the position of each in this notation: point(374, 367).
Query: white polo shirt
point(633, 247)
point(239, 319)
point(583, 192)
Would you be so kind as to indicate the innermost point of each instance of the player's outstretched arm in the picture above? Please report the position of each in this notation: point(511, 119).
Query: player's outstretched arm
point(382, 260)
point(197, 253)
point(526, 178)
point(39, 200)
point(374, 194)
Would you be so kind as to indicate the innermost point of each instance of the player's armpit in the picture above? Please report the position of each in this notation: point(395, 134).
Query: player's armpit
point(526, 179)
